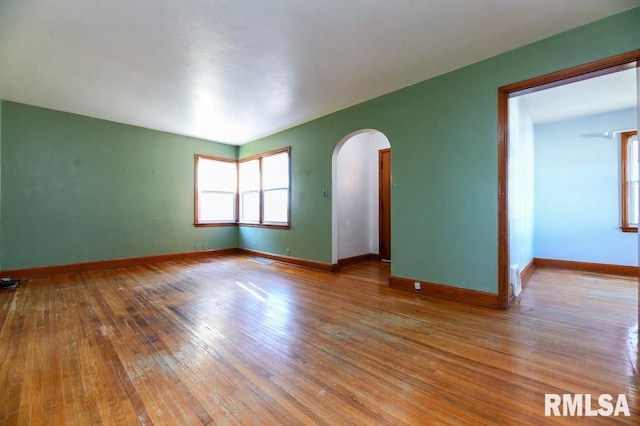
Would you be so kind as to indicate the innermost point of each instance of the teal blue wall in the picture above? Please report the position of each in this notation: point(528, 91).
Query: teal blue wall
point(78, 189)
point(443, 134)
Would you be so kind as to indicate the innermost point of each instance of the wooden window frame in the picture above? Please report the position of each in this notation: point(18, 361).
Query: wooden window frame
point(196, 218)
point(261, 223)
point(258, 191)
point(624, 164)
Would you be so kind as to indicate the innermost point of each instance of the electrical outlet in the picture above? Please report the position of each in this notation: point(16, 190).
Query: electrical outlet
point(288, 252)
point(416, 286)
point(197, 246)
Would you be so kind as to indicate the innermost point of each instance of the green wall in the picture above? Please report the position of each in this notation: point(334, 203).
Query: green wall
point(78, 189)
point(309, 236)
point(443, 134)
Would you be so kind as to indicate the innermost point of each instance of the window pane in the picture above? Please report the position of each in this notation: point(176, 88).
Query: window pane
point(275, 171)
point(632, 178)
point(215, 175)
point(276, 205)
point(250, 207)
point(633, 204)
point(249, 176)
point(217, 207)
point(633, 159)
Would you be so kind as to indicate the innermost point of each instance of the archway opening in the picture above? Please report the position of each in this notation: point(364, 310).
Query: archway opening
point(356, 195)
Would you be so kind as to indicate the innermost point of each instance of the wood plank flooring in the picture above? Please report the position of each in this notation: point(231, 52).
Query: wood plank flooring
point(232, 341)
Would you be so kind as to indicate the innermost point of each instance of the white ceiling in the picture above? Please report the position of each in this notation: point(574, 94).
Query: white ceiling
point(611, 92)
point(236, 70)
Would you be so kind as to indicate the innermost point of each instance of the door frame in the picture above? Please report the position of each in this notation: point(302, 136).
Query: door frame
point(581, 72)
point(382, 210)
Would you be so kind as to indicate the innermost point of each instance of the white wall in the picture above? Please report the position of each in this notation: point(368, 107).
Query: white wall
point(577, 191)
point(521, 184)
point(357, 194)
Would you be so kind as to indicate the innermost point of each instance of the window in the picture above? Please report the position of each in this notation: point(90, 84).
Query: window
point(275, 188)
point(250, 191)
point(253, 191)
point(264, 189)
point(215, 191)
point(630, 174)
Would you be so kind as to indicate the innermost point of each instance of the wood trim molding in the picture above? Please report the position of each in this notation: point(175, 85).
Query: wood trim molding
point(473, 297)
point(357, 259)
point(585, 71)
point(384, 212)
point(196, 191)
point(590, 69)
point(504, 289)
point(292, 260)
point(214, 224)
point(261, 222)
point(527, 272)
point(113, 263)
point(263, 225)
point(624, 181)
point(602, 268)
point(266, 154)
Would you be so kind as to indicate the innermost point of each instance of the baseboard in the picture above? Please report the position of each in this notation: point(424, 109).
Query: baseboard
point(602, 268)
point(457, 294)
point(357, 259)
point(113, 263)
point(292, 260)
point(527, 272)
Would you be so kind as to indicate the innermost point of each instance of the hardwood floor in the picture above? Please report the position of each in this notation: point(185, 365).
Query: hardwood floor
point(233, 341)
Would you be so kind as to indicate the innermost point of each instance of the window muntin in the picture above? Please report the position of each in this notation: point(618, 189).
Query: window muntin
point(216, 188)
point(630, 181)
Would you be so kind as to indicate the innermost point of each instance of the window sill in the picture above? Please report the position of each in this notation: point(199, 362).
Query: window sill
point(213, 224)
point(629, 229)
point(265, 225)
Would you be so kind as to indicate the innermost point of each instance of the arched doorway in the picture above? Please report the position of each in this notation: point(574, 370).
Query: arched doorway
point(355, 194)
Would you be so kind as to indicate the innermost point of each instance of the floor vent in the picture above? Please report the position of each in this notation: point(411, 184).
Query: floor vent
point(516, 280)
point(261, 260)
